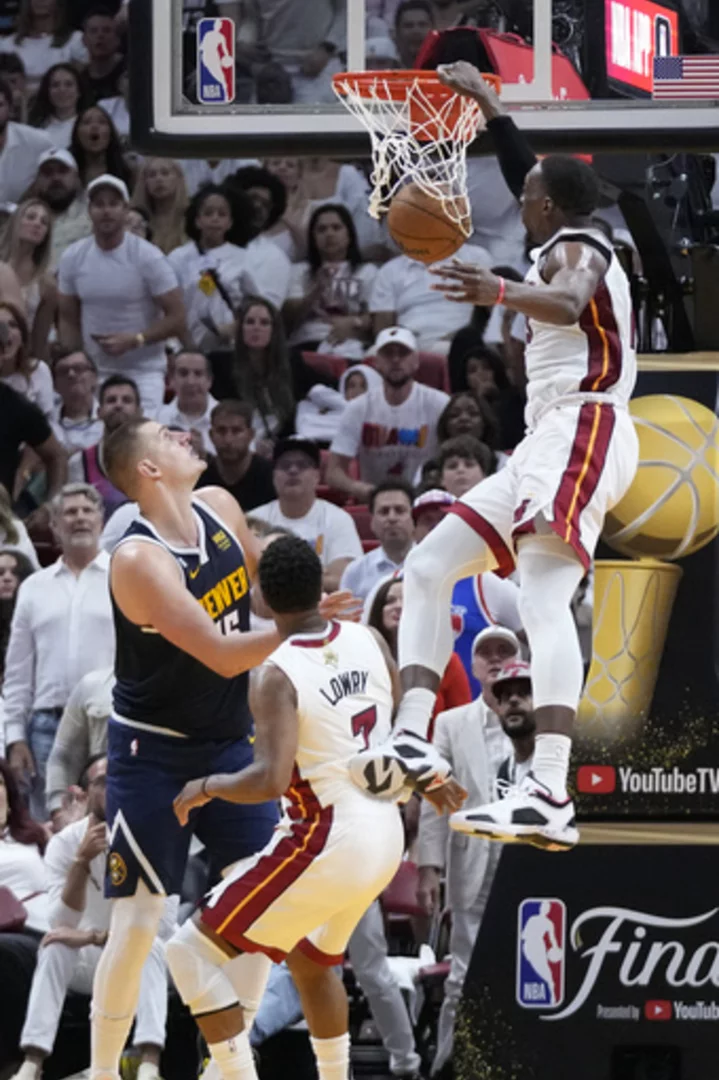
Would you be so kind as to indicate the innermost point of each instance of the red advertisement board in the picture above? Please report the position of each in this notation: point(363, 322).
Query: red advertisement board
point(635, 32)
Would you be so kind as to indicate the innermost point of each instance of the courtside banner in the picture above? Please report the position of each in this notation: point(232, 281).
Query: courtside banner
point(600, 964)
point(647, 734)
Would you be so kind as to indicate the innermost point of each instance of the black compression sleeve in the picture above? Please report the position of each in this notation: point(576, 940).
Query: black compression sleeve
point(514, 153)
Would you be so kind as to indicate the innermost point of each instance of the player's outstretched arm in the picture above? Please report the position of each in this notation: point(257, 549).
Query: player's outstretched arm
point(572, 275)
point(149, 590)
point(273, 703)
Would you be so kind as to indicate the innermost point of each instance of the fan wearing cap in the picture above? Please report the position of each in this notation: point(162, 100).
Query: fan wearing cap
point(328, 528)
point(20, 147)
point(482, 741)
point(391, 429)
point(118, 296)
point(478, 601)
point(58, 184)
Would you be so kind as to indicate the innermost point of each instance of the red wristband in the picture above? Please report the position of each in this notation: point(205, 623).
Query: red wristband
point(502, 291)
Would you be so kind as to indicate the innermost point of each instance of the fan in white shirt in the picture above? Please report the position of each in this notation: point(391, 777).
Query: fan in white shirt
point(55, 106)
point(403, 295)
point(270, 263)
point(329, 529)
point(392, 523)
point(193, 403)
point(61, 629)
point(214, 268)
point(79, 916)
point(40, 50)
point(119, 297)
point(392, 430)
point(20, 148)
point(327, 309)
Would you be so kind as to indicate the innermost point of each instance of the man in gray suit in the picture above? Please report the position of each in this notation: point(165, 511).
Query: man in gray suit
point(479, 740)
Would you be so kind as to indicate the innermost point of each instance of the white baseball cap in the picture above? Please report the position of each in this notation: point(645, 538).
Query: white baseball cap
point(108, 180)
point(431, 499)
point(63, 156)
point(398, 335)
point(494, 633)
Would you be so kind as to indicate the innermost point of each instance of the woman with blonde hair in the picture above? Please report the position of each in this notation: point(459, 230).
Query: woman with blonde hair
point(18, 368)
point(43, 38)
point(162, 192)
point(26, 247)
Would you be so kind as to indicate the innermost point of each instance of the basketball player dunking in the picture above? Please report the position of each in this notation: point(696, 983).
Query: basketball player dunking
point(546, 508)
point(327, 690)
point(180, 582)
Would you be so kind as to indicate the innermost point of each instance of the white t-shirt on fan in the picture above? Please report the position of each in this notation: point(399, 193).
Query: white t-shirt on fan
point(328, 528)
point(116, 290)
point(391, 441)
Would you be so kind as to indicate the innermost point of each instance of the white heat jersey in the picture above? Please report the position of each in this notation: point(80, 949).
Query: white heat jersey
point(594, 356)
point(344, 699)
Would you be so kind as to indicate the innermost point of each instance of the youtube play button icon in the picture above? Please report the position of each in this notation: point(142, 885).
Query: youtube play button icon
point(658, 1010)
point(596, 779)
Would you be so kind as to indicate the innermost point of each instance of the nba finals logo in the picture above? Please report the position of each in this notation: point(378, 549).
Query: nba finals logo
point(215, 61)
point(541, 935)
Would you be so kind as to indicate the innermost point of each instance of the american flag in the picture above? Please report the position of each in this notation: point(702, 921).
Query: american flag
point(686, 78)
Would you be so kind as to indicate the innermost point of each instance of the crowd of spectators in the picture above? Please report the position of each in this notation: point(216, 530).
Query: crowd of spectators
point(330, 389)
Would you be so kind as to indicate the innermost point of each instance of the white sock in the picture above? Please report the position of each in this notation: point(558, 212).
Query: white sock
point(234, 1059)
point(147, 1071)
point(415, 711)
point(333, 1057)
point(551, 762)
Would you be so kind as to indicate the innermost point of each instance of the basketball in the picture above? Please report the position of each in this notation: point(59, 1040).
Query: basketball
point(421, 227)
point(672, 507)
point(554, 955)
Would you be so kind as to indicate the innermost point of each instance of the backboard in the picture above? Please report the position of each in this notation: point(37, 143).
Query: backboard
point(183, 107)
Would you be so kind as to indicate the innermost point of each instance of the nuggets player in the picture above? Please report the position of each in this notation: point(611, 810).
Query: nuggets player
point(326, 691)
point(546, 509)
point(180, 581)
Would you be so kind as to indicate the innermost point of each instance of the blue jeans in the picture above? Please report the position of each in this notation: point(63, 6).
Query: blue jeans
point(41, 730)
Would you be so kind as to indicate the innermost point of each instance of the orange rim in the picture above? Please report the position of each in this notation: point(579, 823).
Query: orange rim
point(393, 85)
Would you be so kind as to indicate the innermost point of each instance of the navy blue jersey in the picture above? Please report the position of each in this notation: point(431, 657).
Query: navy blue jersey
point(156, 682)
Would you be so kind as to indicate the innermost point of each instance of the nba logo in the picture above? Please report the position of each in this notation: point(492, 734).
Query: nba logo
point(541, 934)
point(215, 61)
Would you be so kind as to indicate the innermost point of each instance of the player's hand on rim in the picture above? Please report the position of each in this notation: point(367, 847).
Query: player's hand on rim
point(190, 798)
point(467, 284)
point(465, 79)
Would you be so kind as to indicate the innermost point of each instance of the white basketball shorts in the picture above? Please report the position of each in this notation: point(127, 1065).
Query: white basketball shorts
point(310, 886)
point(566, 475)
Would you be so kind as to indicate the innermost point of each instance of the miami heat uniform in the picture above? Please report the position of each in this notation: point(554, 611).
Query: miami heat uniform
point(174, 720)
point(580, 454)
point(336, 847)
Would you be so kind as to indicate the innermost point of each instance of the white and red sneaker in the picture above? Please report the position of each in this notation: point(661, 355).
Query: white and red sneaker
point(405, 761)
point(528, 814)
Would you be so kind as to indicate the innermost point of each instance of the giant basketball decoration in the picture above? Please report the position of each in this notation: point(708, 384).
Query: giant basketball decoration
point(672, 507)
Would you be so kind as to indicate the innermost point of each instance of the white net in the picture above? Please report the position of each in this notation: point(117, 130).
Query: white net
point(419, 132)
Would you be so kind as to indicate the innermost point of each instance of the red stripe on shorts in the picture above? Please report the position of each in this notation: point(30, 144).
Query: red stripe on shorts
point(587, 459)
point(313, 953)
point(504, 557)
point(247, 898)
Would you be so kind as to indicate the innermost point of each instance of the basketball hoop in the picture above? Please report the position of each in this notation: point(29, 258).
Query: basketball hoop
point(420, 131)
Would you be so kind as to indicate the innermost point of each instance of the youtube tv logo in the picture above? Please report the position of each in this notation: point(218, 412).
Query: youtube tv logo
point(658, 1010)
point(596, 779)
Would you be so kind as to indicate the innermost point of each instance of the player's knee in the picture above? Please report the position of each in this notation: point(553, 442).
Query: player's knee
point(196, 964)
